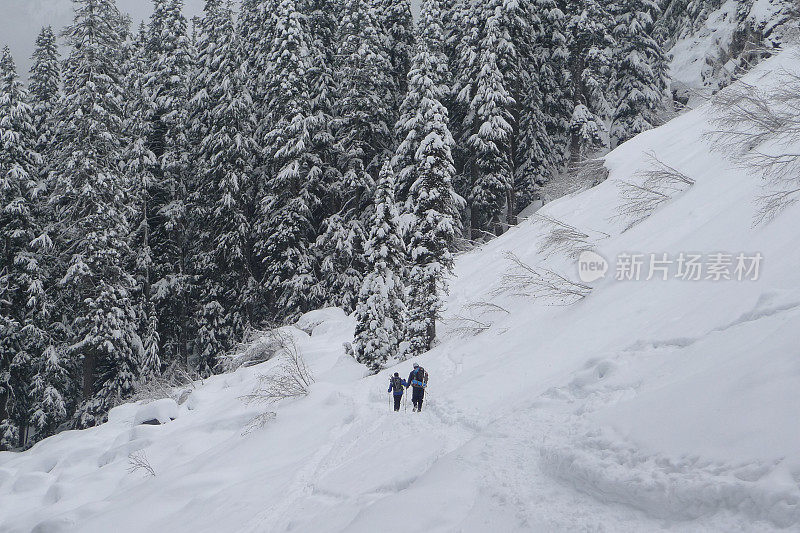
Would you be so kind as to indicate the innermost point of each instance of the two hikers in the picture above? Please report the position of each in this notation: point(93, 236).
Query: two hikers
point(417, 379)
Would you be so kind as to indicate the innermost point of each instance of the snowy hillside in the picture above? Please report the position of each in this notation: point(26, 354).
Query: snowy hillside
point(647, 405)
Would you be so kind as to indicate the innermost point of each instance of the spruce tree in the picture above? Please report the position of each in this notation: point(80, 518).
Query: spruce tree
point(398, 26)
point(380, 311)
point(590, 45)
point(91, 201)
point(141, 166)
point(361, 127)
point(21, 288)
point(641, 70)
point(224, 125)
point(491, 143)
point(295, 171)
point(366, 87)
point(552, 85)
point(432, 197)
point(166, 91)
point(44, 88)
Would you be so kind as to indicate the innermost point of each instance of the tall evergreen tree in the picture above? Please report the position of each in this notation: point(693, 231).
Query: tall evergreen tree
point(365, 88)
point(398, 24)
point(21, 289)
point(432, 197)
point(91, 198)
point(641, 70)
point(44, 87)
point(166, 92)
point(552, 84)
point(590, 45)
point(224, 125)
point(491, 141)
point(141, 166)
point(380, 311)
point(286, 228)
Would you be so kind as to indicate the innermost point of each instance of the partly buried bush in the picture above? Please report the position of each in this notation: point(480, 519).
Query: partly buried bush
point(290, 379)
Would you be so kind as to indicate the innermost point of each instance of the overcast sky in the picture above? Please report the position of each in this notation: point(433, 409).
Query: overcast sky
point(21, 20)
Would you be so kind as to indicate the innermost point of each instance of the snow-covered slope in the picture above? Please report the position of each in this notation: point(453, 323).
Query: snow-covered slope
point(648, 405)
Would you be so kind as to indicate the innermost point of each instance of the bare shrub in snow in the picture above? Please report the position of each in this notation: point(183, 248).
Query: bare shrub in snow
point(137, 461)
point(467, 326)
point(589, 171)
point(258, 346)
point(472, 320)
point(291, 379)
point(563, 238)
point(482, 308)
point(171, 384)
point(759, 128)
point(580, 176)
point(660, 183)
point(259, 422)
point(540, 283)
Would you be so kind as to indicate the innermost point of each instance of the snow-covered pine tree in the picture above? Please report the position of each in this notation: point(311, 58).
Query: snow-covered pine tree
point(432, 198)
point(44, 88)
point(590, 42)
point(91, 201)
point(224, 125)
point(322, 24)
point(166, 92)
point(141, 166)
point(285, 230)
point(553, 84)
point(491, 143)
point(427, 79)
point(21, 288)
point(641, 70)
point(398, 24)
point(365, 87)
point(380, 313)
point(465, 35)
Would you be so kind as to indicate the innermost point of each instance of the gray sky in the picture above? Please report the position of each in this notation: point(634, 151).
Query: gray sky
point(21, 20)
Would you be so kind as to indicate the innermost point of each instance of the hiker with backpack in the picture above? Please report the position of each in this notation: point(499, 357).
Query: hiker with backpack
point(418, 379)
point(399, 385)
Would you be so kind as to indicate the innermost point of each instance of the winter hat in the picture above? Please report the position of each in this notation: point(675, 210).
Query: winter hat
point(397, 374)
point(416, 365)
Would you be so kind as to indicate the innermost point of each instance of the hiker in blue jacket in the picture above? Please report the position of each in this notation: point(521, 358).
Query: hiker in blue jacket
point(418, 379)
point(399, 385)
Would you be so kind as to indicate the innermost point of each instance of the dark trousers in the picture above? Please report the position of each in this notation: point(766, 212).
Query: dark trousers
point(397, 398)
point(417, 397)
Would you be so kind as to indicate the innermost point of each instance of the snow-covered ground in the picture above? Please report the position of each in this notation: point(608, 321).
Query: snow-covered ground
point(648, 405)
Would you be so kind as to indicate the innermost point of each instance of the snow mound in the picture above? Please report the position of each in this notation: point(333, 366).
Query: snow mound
point(157, 412)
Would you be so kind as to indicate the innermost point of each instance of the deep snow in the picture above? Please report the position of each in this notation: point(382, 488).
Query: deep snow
point(649, 405)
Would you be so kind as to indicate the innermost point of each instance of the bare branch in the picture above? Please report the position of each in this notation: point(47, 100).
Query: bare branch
point(659, 185)
point(564, 239)
point(540, 283)
point(483, 308)
point(292, 379)
point(138, 461)
point(754, 127)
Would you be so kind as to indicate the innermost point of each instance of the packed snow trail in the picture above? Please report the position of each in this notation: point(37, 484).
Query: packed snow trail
point(649, 405)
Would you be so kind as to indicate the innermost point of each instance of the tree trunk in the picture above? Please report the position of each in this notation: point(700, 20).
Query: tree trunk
point(89, 364)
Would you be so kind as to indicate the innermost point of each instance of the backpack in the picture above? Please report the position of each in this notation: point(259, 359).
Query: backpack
point(420, 378)
point(397, 384)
